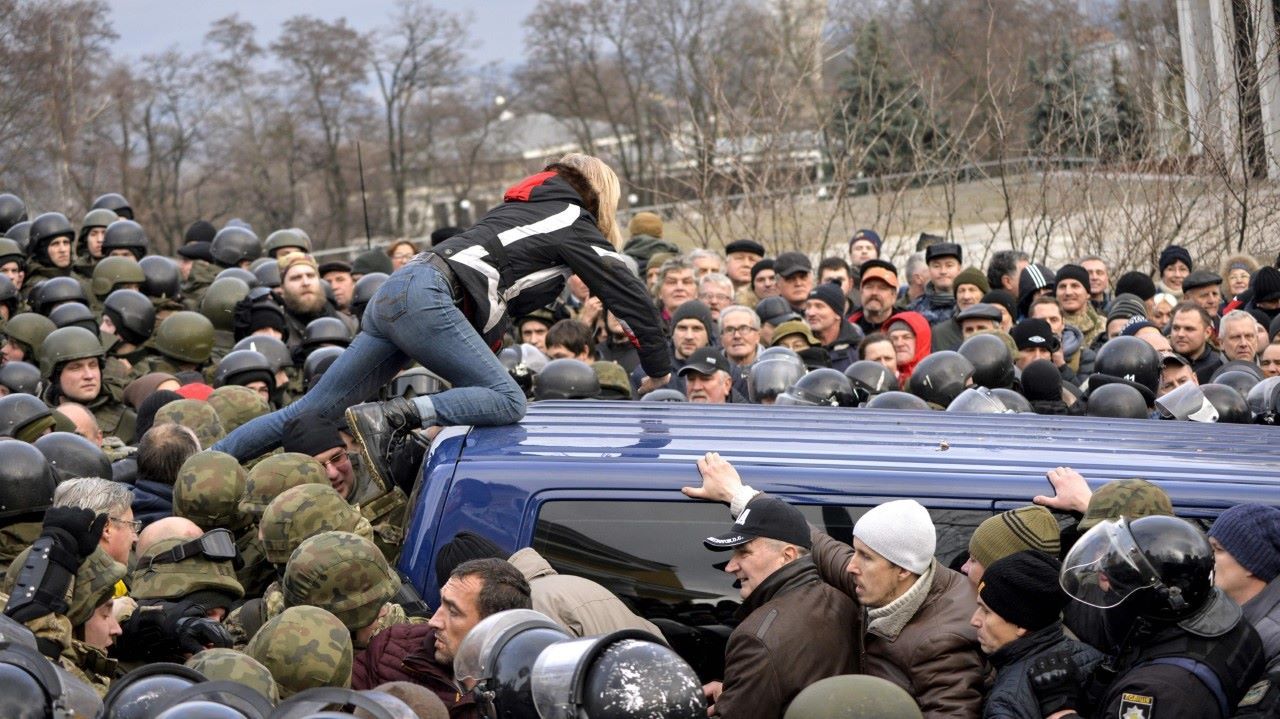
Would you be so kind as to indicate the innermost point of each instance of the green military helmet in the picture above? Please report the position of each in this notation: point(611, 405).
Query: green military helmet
point(219, 301)
point(97, 218)
point(304, 512)
point(195, 415)
point(342, 572)
point(304, 647)
point(237, 405)
point(11, 251)
point(66, 345)
point(853, 696)
point(29, 330)
point(275, 474)
point(614, 382)
point(112, 272)
point(208, 489)
point(229, 665)
point(185, 337)
point(175, 580)
point(288, 238)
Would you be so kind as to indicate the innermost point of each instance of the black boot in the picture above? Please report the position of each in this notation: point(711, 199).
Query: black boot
point(380, 428)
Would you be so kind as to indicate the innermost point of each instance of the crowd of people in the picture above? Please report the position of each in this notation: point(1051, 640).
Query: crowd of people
point(195, 485)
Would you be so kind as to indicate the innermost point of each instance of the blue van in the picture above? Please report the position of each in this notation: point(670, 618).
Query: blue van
point(595, 486)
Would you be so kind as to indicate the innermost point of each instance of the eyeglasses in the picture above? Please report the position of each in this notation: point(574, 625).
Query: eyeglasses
point(336, 460)
point(402, 256)
point(741, 330)
point(134, 524)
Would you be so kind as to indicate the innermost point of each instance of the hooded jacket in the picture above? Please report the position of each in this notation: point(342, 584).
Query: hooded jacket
point(578, 604)
point(517, 258)
point(924, 341)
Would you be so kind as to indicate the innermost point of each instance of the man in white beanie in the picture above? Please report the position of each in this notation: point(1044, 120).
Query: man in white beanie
point(916, 611)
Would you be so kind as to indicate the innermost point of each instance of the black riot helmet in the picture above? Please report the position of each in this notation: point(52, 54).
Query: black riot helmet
point(240, 367)
point(214, 700)
point(74, 314)
point(8, 295)
point(317, 363)
point(1231, 405)
point(276, 352)
point(823, 387)
point(54, 291)
point(12, 211)
point(496, 658)
point(991, 359)
point(26, 480)
point(126, 235)
point(141, 692)
point(664, 394)
point(1130, 359)
point(1162, 567)
point(233, 245)
point(163, 277)
point(21, 378)
point(45, 229)
point(133, 315)
point(415, 382)
point(71, 456)
point(1241, 382)
point(978, 400)
point(897, 400)
point(621, 675)
point(364, 290)
point(566, 379)
point(768, 378)
point(114, 202)
point(18, 411)
point(940, 377)
point(871, 377)
point(21, 235)
point(1014, 401)
point(325, 331)
point(1117, 400)
point(1264, 401)
point(333, 703)
point(33, 689)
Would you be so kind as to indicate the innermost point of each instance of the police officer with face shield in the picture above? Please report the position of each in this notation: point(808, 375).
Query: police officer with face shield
point(1183, 649)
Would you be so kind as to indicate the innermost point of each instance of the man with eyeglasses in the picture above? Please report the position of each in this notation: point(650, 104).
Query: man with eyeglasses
point(740, 335)
point(103, 496)
point(319, 437)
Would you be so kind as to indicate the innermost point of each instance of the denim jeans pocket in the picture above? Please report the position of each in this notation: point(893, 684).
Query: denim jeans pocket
point(392, 299)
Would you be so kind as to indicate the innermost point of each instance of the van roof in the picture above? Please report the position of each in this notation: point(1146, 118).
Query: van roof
point(873, 452)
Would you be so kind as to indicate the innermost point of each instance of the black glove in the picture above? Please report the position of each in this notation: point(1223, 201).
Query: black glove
point(195, 634)
point(1055, 680)
point(74, 531)
point(167, 631)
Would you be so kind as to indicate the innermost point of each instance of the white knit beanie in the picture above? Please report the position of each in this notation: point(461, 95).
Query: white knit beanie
point(902, 532)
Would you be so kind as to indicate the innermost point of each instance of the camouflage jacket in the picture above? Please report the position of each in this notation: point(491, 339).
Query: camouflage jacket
point(385, 510)
point(248, 618)
point(15, 538)
point(198, 280)
point(89, 664)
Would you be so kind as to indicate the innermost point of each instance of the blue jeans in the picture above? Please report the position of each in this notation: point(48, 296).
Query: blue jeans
point(412, 316)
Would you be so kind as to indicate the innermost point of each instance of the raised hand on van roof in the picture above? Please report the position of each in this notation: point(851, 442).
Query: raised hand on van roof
point(1071, 492)
point(720, 481)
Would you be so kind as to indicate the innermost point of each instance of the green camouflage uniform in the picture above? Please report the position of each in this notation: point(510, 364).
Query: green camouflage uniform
point(304, 647)
point(232, 666)
point(17, 537)
point(115, 418)
point(303, 512)
point(342, 572)
point(202, 275)
point(207, 491)
point(197, 416)
point(175, 580)
point(273, 475)
point(237, 405)
point(245, 620)
point(385, 510)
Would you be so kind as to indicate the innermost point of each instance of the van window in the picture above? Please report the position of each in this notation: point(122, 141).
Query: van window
point(651, 555)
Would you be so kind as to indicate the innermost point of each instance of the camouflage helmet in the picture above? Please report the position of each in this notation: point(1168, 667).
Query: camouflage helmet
point(342, 572)
point(303, 512)
point(175, 580)
point(111, 272)
point(67, 345)
point(273, 475)
point(287, 238)
point(1132, 498)
point(208, 489)
point(614, 382)
point(186, 337)
point(126, 235)
point(195, 415)
point(95, 583)
point(853, 696)
point(304, 647)
point(219, 301)
point(28, 330)
point(237, 405)
point(230, 665)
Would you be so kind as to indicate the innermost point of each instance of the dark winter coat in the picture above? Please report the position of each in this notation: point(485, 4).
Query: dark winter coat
point(1011, 696)
point(406, 653)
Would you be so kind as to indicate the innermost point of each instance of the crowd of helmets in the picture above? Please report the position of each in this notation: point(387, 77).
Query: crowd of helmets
point(854, 330)
point(220, 589)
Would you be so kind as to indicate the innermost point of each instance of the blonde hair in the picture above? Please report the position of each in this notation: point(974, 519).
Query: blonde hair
point(605, 183)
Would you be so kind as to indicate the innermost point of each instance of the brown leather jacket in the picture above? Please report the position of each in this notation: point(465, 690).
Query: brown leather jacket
point(936, 657)
point(797, 630)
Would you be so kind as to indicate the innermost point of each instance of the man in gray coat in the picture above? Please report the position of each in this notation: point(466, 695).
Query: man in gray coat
point(1246, 564)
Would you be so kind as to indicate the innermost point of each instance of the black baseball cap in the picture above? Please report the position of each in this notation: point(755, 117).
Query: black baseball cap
point(705, 360)
point(767, 517)
point(791, 263)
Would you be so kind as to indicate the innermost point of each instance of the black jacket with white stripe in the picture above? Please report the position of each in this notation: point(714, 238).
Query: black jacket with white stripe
point(517, 258)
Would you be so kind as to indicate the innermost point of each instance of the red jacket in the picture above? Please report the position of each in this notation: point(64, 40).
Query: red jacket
point(406, 652)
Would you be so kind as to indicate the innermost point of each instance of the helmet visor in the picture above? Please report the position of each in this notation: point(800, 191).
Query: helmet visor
point(1187, 403)
point(1106, 566)
point(978, 399)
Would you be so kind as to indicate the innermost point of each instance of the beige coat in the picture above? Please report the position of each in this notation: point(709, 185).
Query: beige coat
point(581, 606)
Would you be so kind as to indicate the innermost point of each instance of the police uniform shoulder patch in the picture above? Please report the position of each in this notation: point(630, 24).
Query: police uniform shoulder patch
point(1255, 693)
point(1137, 706)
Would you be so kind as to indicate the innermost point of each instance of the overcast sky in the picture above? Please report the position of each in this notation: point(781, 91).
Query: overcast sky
point(148, 26)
